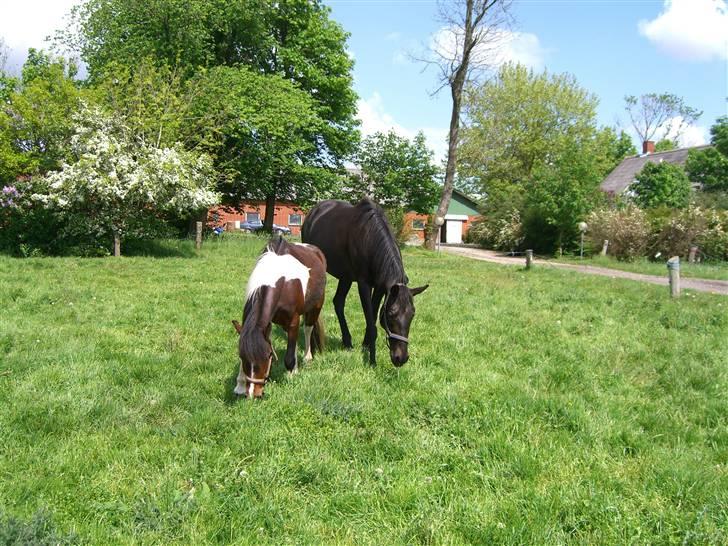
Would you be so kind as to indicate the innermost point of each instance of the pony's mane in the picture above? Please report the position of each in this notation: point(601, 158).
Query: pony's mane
point(376, 236)
point(274, 263)
point(252, 338)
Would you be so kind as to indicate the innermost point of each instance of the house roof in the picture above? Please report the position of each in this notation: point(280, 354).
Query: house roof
point(461, 203)
point(624, 173)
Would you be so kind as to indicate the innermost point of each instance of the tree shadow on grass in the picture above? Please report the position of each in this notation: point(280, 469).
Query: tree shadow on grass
point(159, 248)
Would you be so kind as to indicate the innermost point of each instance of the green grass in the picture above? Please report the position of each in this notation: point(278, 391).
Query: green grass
point(717, 271)
point(538, 407)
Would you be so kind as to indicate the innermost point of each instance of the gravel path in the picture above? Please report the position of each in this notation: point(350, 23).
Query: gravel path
point(702, 285)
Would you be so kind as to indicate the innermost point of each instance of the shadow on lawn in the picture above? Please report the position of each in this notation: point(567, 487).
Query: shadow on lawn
point(164, 248)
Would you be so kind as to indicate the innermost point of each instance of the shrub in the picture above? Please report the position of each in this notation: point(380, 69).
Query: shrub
point(401, 228)
point(675, 234)
point(661, 184)
point(501, 233)
point(627, 231)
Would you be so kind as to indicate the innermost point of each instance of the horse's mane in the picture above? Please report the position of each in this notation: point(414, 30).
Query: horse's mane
point(253, 343)
point(376, 236)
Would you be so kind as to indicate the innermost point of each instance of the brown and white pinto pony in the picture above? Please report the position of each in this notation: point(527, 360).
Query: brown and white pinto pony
point(288, 281)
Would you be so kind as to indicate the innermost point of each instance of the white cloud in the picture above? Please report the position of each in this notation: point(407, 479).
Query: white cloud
point(695, 30)
point(500, 47)
point(374, 119)
point(692, 135)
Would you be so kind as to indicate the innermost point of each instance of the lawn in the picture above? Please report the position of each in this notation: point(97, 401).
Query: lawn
point(537, 407)
point(706, 270)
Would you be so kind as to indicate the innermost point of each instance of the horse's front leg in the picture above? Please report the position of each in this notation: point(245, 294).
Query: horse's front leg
point(370, 334)
point(339, 301)
point(290, 360)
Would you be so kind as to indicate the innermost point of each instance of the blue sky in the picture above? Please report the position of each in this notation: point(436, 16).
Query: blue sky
point(613, 48)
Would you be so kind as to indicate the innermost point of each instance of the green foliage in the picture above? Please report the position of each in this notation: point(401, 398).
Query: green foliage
point(709, 168)
point(661, 184)
point(36, 117)
point(525, 424)
point(531, 143)
point(503, 232)
point(396, 173)
point(665, 145)
point(263, 132)
point(295, 40)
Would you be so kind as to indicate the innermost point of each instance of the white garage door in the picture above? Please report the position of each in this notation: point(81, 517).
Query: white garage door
point(454, 231)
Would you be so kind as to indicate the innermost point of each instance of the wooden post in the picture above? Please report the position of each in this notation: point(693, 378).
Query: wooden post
point(529, 258)
point(693, 253)
point(198, 235)
point(673, 270)
point(604, 247)
point(117, 244)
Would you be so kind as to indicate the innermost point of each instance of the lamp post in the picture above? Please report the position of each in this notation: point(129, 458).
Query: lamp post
point(582, 227)
point(439, 221)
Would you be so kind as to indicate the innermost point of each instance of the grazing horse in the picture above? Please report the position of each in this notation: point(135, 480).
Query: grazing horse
point(288, 281)
point(359, 247)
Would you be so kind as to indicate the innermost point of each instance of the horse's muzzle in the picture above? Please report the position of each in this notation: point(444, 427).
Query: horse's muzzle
point(398, 359)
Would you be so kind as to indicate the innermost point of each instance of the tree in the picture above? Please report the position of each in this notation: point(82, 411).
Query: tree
point(661, 184)
point(471, 29)
point(665, 145)
point(664, 112)
point(36, 116)
point(531, 144)
point(118, 184)
point(709, 167)
point(294, 39)
point(261, 130)
point(397, 173)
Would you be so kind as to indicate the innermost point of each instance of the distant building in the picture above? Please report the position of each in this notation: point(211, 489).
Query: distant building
point(626, 172)
point(460, 215)
point(286, 214)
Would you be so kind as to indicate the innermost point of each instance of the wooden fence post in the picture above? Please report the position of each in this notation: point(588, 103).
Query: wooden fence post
point(198, 235)
point(693, 253)
point(529, 258)
point(673, 270)
point(604, 247)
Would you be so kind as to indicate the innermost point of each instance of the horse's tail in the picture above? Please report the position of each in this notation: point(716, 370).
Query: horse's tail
point(318, 338)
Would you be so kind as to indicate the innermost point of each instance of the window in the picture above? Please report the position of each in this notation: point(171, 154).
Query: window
point(252, 216)
point(294, 219)
point(418, 224)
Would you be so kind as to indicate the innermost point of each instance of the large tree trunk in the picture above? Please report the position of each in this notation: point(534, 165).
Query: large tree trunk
point(270, 210)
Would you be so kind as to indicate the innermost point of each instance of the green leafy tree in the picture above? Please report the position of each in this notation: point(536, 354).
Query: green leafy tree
point(36, 116)
point(261, 132)
point(661, 184)
point(709, 167)
point(665, 145)
point(397, 172)
point(532, 144)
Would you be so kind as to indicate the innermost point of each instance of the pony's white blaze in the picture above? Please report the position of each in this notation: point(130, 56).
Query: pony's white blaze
point(240, 387)
point(271, 267)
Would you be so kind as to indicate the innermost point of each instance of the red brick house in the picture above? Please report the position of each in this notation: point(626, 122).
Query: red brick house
point(286, 214)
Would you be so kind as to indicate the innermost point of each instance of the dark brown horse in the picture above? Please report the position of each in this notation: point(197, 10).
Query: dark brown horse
point(288, 281)
point(359, 247)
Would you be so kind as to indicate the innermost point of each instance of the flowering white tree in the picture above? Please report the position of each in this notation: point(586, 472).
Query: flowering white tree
point(120, 181)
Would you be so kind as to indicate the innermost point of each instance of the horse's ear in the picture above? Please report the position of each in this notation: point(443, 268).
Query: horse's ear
point(238, 327)
point(419, 289)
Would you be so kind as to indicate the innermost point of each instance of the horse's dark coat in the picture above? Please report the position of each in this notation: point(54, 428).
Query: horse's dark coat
point(359, 247)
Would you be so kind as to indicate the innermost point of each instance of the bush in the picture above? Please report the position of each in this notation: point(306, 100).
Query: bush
point(501, 233)
point(661, 184)
point(675, 234)
point(401, 228)
point(627, 231)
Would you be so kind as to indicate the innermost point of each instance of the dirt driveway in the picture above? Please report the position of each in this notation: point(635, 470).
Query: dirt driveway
point(702, 285)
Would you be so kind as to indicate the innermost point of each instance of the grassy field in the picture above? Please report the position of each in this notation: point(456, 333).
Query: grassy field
point(717, 271)
point(538, 407)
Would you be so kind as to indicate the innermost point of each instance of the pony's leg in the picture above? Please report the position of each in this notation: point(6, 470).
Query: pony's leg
point(290, 359)
point(339, 300)
point(240, 387)
point(370, 335)
point(310, 319)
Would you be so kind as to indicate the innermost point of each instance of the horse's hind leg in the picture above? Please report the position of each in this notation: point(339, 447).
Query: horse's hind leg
point(370, 335)
point(339, 301)
point(290, 359)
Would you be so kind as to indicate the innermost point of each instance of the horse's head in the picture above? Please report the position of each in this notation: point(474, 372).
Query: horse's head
point(395, 317)
point(256, 356)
